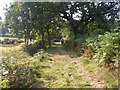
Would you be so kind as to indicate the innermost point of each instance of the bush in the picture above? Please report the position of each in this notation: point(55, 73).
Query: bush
point(42, 55)
point(23, 73)
point(32, 48)
point(108, 48)
point(19, 72)
point(80, 43)
point(103, 48)
point(10, 41)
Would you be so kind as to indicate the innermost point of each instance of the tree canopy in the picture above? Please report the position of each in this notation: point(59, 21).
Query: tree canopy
point(32, 18)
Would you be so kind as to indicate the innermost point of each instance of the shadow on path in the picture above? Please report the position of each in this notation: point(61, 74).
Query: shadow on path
point(58, 49)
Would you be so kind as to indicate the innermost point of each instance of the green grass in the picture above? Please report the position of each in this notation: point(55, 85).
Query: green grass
point(2, 38)
point(53, 47)
point(62, 73)
point(101, 72)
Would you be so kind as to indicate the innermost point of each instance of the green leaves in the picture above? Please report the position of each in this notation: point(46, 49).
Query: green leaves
point(4, 83)
point(102, 48)
point(108, 47)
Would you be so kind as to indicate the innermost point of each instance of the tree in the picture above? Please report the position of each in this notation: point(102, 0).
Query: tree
point(88, 12)
point(42, 20)
point(28, 18)
point(19, 20)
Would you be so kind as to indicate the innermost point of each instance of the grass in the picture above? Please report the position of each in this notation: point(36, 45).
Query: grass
point(103, 73)
point(2, 38)
point(63, 74)
point(16, 54)
point(51, 49)
point(7, 47)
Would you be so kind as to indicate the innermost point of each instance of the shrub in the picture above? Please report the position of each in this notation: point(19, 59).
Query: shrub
point(9, 41)
point(23, 73)
point(32, 48)
point(81, 42)
point(42, 55)
point(108, 48)
point(103, 48)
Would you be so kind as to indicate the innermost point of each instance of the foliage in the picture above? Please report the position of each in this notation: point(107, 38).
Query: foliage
point(24, 19)
point(103, 48)
point(42, 55)
point(108, 47)
point(11, 41)
point(23, 72)
point(4, 83)
point(88, 26)
point(79, 43)
point(80, 18)
point(88, 13)
point(32, 48)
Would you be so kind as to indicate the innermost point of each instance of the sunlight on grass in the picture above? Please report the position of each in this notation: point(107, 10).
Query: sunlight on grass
point(103, 73)
point(63, 74)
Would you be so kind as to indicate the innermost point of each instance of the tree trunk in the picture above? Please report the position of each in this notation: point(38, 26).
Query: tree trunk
point(49, 38)
point(26, 37)
point(26, 40)
point(43, 42)
point(75, 29)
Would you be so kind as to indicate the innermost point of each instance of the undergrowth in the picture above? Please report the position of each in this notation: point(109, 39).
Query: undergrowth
point(19, 70)
point(31, 49)
point(102, 50)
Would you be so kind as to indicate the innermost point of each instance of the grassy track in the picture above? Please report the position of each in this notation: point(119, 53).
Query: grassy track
point(63, 72)
point(66, 71)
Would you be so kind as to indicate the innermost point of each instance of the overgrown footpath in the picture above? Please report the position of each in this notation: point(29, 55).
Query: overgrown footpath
point(42, 70)
point(55, 68)
point(63, 72)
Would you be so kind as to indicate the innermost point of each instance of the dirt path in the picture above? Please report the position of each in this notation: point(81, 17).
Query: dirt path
point(66, 70)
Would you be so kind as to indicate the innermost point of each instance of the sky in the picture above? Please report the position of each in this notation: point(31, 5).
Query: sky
point(3, 4)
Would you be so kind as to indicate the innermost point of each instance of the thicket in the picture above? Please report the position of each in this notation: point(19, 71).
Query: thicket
point(21, 72)
point(103, 49)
